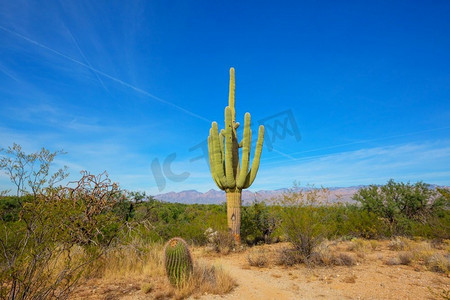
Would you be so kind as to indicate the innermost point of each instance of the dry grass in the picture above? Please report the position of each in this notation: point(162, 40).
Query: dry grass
point(438, 263)
point(325, 254)
point(288, 257)
point(258, 258)
point(206, 280)
point(349, 279)
point(420, 252)
point(362, 245)
point(132, 259)
point(143, 264)
point(399, 244)
point(403, 258)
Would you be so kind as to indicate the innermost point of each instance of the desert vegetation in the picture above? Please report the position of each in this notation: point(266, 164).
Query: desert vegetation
point(92, 239)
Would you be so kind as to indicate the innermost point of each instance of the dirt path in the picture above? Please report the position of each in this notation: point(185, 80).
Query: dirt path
point(369, 279)
point(252, 284)
point(268, 283)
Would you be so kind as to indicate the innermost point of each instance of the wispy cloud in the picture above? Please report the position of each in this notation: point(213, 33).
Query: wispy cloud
point(8, 73)
point(117, 80)
point(408, 162)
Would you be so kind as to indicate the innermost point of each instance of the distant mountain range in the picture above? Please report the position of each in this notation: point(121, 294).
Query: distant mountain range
point(336, 194)
point(343, 194)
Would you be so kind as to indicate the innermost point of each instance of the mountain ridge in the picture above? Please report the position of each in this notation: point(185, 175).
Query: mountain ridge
point(212, 196)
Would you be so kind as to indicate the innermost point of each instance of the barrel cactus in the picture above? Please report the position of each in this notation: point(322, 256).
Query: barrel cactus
point(178, 261)
point(230, 174)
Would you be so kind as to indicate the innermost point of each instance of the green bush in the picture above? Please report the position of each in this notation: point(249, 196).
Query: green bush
point(352, 221)
point(402, 206)
point(258, 223)
point(305, 218)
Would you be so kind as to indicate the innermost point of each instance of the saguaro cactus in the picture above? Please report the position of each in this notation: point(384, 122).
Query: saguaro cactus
point(228, 173)
point(178, 261)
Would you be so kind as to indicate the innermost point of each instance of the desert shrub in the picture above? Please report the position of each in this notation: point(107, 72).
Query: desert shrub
point(258, 223)
point(51, 235)
point(405, 258)
point(438, 263)
point(343, 259)
point(53, 228)
point(330, 259)
point(258, 258)
point(435, 227)
point(221, 241)
point(288, 257)
point(392, 261)
point(305, 219)
point(402, 205)
point(324, 256)
point(353, 221)
point(398, 244)
point(207, 279)
point(167, 220)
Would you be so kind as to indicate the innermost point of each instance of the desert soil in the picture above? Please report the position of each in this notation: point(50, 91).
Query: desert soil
point(369, 278)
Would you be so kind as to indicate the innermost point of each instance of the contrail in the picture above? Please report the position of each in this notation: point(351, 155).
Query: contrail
point(85, 59)
point(139, 90)
point(3, 69)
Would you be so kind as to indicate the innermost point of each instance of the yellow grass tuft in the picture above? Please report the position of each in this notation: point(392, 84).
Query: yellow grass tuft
point(138, 262)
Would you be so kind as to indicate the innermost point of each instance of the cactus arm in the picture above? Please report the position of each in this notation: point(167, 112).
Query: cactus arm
point(212, 163)
point(231, 95)
point(246, 144)
point(255, 164)
point(218, 157)
point(229, 172)
point(222, 150)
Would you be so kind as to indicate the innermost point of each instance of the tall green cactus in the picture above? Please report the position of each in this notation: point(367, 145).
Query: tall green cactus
point(228, 173)
point(178, 261)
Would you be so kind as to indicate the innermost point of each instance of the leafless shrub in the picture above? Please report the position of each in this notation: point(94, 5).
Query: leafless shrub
point(392, 261)
point(398, 244)
point(257, 258)
point(220, 241)
point(60, 233)
point(289, 257)
point(343, 259)
point(405, 258)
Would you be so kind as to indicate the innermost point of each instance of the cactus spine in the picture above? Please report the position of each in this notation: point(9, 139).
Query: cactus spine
point(178, 261)
point(227, 172)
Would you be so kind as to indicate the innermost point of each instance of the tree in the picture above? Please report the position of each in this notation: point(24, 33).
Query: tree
point(58, 232)
point(304, 217)
point(400, 203)
point(31, 170)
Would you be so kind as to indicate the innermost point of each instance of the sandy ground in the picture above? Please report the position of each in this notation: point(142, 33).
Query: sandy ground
point(370, 278)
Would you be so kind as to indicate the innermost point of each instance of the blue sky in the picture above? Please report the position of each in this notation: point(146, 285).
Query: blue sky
point(121, 84)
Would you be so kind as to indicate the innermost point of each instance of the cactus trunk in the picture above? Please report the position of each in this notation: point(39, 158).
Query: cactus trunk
point(234, 214)
point(230, 174)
